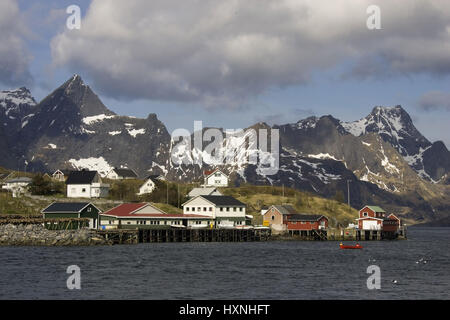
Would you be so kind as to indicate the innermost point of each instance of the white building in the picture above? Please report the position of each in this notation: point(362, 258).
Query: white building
point(215, 178)
point(86, 184)
point(120, 174)
point(17, 186)
point(225, 210)
point(149, 185)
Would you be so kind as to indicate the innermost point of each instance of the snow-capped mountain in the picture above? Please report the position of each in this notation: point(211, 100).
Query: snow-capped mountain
point(394, 125)
point(72, 128)
point(384, 156)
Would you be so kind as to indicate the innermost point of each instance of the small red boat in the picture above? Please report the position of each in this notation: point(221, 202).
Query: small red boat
point(357, 246)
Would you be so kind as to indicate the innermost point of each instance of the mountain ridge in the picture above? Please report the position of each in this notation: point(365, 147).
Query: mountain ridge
point(383, 154)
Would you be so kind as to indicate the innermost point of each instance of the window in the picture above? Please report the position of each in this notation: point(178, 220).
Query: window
point(204, 209)
point(234, 209)
point(228, 209)
point(210, 208)
point(187, 208)
point(199, 209)
point(221, 209)
point(365, 214)
point(83, 190)
point(217, 181)
point(273, 218)
point(89, 209)
point(240, 209)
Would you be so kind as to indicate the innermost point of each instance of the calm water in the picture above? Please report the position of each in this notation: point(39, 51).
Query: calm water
point(264, 270)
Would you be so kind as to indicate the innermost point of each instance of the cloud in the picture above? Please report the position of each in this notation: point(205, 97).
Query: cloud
point(14, 56)
point(435, 100)
point(223, 53)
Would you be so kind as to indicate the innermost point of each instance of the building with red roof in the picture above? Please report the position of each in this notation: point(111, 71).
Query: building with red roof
point(146, 215)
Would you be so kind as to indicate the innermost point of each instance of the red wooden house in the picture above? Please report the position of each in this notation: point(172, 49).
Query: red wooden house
point(371, 218)
point(392, 223)
point(306, 222)
point(285, 218)
point(375, 218)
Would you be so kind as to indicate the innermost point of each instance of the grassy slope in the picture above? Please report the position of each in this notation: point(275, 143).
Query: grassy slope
point(254, 196)
point(258, 196)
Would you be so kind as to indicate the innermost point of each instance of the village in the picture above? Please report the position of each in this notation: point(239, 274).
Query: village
point(206, 214)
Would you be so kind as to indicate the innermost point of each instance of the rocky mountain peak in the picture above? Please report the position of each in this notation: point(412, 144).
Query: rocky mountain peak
point(20, 96)
point(75, 95)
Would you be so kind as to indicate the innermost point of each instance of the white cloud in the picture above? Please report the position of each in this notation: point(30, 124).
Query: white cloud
point(222, 53)
point(14, 57)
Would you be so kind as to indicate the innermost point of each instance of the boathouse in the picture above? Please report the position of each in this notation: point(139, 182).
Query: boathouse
point(147, 216)
point(371, 218)
point(284, 218)
point(67, 210)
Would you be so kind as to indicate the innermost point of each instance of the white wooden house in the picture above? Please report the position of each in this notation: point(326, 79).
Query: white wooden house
point(121, 173)
point(225, 210)
point(149, 184)
point(215, 178)
point(61, 175)
point(86, 184)
point(17, 186)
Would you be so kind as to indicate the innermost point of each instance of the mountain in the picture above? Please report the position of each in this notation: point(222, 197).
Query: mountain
point(17, 107)
point(72, 128)
point(395, 126)
point(382, 158)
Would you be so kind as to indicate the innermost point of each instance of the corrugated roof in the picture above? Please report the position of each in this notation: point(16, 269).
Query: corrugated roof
point(203, 191)
point(285, 209)
point(224, 200)
point(81, 177)
point(19, 179)
point(375, 208)
point(125, 173)
point(65, 207)
point(305, 217)
point(125, 209)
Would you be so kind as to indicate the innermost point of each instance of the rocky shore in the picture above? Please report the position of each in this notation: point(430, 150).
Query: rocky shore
point(37, 235)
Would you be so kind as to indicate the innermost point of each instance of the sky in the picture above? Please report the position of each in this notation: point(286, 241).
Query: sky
point(233, 63)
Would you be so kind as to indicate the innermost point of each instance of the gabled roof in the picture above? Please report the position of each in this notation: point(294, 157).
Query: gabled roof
point(203, 191)
point(81, 177)
point(374, 208)
point(154, 177)
point(305, 217)
point(67, 207)
point(130, 210)
point(222, 200)
point(65, 172)
point(285, 209)
point(209, 173)
point(129, 173)
point(19, 180)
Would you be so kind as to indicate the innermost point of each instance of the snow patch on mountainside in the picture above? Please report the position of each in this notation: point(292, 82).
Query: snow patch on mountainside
point(135, 132)
point(93, 119)
point(95, 164)
point(17, 97)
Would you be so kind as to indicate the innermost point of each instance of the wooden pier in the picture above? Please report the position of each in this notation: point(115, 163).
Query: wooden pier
point(123, 236)
point(364, 235)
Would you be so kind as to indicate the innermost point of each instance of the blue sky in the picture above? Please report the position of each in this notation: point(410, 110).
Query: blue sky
point(318, 84)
